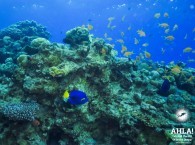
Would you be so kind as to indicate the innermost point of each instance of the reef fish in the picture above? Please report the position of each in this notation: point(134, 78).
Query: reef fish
point(163, 25)
point(166, 14)
point(170, 38)
point(75, 97)
point(157, 15)
point(147, 54)
point(187, 49)
point(164, 89)
point(141, 33)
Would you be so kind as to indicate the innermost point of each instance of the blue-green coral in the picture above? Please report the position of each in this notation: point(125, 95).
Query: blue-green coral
point(124, 104)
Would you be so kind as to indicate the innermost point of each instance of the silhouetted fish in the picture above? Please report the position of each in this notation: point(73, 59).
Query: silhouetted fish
point(89, 20)
point(164, 90)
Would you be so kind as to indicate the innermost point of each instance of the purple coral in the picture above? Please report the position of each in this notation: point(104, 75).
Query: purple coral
point(20, 111)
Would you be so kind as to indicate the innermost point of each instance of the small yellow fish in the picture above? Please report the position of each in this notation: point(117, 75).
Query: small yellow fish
point(109, 38)
point(122, 34)
point(145, 44)
point(191, 60)
point(109, 24)
point(103, 51)
point(175, 27)
point(147, 54)
point(190, 79)
point(166, 31)
point(136, 41)
point(83, 26)
point(113, 27)
point(166, 14)
point(65, 95)
point(111, 19)
point(128, 53)
point(176, 70)
point(89, 27)
point(141, 33)
point(157, 15)
point(120, 40)
point(187, 50)
point(123, 19)
point(170, 38)
point(172, 63)
point(129, 28)
point(137, 58)
point(123, 49)
point(163, 25)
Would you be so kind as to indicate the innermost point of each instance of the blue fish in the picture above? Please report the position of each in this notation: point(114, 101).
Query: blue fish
point(77, 98)
point(164, 90)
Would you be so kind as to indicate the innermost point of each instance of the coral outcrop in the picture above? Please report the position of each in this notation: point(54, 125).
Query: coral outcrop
point(124, 107)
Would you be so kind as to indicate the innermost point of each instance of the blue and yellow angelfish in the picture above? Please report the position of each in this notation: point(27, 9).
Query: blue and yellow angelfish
point(75, 97)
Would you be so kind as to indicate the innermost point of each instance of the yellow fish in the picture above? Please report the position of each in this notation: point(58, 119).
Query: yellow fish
point(113, 27)
point(129, 28)
point(176, 70)
point(175, 27)
point(170, 38)
point(109, 39)
point(166, 14)
point(65, 95)
point(163, 25)
point(122, 34)
point(103, 51)
point(111, 19)
point(157, 15)
point(136, 41)
point(123, 49)
point(89, 27)
point(172, 62)
point(109, 24)
point(128, 53)
point(83, 26)
point(187, 50)
point(147, 54)
point(120, 40)
point(191, 60)
point(166, 31)
point(145, 44)
point(141, 33)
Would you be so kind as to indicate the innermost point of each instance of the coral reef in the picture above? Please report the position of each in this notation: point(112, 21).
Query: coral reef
point(124, 106)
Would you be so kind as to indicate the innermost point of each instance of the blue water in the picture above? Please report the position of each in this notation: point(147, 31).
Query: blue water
point(61, 15)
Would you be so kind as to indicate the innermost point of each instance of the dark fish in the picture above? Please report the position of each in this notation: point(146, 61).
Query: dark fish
point(54, 136)
point(89, 20)
point(77, 97)
point(164, 90)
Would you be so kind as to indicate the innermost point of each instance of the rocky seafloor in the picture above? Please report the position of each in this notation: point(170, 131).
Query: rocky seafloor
point(124, 105)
